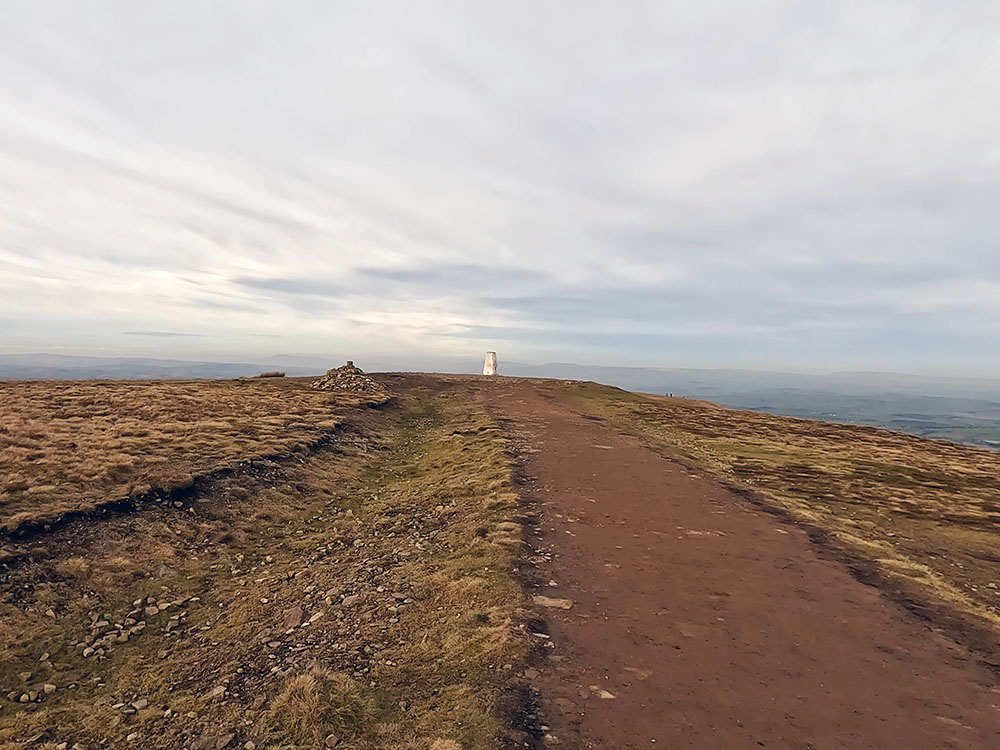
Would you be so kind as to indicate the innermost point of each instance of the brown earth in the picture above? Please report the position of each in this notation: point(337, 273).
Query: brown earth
point(700, 621)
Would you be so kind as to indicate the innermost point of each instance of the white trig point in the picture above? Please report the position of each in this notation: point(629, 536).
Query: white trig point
point(490, 365)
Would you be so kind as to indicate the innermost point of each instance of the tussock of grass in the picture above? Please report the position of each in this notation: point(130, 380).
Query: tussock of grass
point(319, 703)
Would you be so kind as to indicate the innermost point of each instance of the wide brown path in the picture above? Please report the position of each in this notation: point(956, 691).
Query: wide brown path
point(713, 624)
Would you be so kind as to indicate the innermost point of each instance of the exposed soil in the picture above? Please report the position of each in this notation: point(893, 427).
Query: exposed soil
point(698, 620)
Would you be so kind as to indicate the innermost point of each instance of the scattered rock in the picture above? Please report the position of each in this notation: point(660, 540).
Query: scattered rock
point(294, 617)
point(546, 601)
point(331, 740)
point(140, 704)
point(214, 741)
point(642, 674)
point(601, 693)
point(565, 705)
point(48, 688)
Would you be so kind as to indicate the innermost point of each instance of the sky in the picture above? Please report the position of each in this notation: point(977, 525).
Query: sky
point(777, 184)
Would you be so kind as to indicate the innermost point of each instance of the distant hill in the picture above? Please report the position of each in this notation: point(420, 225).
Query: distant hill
point(38, 366)
point(963, 410)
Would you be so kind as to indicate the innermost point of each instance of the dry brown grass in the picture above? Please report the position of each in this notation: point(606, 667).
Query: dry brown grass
point(320, 703)
point(70, 445)
point(400, 540)
point(926, 512)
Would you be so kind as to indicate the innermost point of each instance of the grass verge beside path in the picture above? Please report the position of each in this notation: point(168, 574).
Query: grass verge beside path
point(361, 598)
point(920, 518)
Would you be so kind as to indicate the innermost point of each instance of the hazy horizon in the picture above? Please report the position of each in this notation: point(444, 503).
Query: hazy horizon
point(957, 409)
point(786, 186)
point(471, 363)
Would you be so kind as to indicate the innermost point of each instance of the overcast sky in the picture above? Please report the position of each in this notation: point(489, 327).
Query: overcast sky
point(709, 183)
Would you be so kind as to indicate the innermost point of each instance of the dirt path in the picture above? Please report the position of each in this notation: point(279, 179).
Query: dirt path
point(713, 624)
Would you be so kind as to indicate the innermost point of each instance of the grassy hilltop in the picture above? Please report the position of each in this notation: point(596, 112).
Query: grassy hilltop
point(255, 563)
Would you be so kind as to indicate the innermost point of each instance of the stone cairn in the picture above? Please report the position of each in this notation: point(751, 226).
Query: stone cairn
point(347, 378)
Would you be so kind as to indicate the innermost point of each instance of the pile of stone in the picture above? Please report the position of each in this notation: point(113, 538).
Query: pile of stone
point(347, 378)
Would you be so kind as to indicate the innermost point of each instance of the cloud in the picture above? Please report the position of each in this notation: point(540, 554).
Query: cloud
point(310, 287)
point(164, 334)
point(653, 182)
point(453, 275)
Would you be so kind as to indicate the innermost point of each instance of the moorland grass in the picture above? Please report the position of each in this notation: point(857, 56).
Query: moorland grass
point(394, 550)
point(71, 445)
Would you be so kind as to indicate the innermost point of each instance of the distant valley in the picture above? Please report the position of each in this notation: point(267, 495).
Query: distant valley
point(963, 410)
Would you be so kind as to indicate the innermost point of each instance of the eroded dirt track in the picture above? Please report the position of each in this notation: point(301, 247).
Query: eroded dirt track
point(711, 623)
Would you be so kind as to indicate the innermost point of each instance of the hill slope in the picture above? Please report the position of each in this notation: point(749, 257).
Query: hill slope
point(291, 568)
point(353, 592)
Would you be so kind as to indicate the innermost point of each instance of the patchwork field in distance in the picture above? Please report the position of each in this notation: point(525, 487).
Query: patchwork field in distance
point(925, 512)
point(71, 445)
